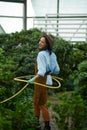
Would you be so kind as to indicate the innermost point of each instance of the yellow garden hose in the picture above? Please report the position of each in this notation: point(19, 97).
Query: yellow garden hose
point(20, 79)
point(14, 94)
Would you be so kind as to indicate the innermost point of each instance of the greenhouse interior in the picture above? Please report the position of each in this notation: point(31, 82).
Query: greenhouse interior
point(43, 49)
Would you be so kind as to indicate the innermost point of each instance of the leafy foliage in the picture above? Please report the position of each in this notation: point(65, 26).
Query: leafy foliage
point(18, 53)
point(81, 80)
point(21, 118)
point(72, 112)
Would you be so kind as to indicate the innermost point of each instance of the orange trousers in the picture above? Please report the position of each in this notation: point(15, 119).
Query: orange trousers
point(40, 99)
point(44, 110)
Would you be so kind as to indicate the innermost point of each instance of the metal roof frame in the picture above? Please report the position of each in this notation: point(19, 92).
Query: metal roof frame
point(24, 2)
point(17, 1)
point(2, 31)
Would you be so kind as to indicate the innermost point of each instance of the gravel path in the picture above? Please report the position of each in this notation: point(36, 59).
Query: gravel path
point(52, 121)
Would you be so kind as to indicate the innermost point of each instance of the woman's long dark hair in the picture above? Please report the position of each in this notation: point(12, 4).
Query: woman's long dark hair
point(49, 42)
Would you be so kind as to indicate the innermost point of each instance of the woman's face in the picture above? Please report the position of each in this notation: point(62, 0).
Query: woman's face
point(42, 43)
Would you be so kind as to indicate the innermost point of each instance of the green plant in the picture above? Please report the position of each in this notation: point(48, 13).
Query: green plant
point(72, 112)
point(81, 80)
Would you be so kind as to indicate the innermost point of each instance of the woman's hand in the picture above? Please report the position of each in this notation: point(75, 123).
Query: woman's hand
point(31, 81)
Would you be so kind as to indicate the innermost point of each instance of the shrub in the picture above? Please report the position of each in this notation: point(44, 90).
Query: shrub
point(72, 112)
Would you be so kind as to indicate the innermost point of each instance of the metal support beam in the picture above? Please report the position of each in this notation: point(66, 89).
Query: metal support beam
point(25, 15)
point(16, 1)
point(57, 17)
point(57, 7)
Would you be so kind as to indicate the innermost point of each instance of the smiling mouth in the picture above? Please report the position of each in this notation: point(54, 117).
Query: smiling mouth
point(40, 46)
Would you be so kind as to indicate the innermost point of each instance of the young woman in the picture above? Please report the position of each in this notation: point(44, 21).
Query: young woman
point(46, 63)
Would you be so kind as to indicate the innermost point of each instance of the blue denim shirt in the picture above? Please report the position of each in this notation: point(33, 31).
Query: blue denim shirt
point(46, 63)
